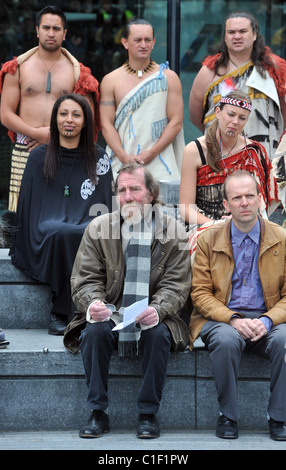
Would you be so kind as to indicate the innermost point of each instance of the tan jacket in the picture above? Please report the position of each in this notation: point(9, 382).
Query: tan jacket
point(98, 271)
point(212, 273)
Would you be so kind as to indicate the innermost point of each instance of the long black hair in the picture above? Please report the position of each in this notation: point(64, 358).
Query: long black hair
point(86, 143)
point(259, 55)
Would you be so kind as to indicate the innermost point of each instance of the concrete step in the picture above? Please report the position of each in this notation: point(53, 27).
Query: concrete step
point(24, 303)
point(168, 449)
point(43, 388)
point(47, 383)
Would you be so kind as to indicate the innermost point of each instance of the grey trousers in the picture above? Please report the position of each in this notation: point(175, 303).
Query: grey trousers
point(226, 347)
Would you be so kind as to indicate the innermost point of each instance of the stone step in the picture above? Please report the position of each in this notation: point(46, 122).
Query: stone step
point(43, 388)
point(170, 448)
point(47, 383)
point(24, 303)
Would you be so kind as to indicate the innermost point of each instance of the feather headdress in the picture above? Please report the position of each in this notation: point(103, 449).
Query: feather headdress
point(226, 86)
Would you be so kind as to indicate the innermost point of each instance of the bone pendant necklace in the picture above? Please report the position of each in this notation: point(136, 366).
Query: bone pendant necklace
point(67, 186)
point(48, 85)
point(139, 73)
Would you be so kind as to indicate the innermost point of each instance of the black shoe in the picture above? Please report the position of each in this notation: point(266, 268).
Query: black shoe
point(277, 430)
point(97, 424)
point(226, 428)
point(147, 427)
point(58, 324)
point(3, 342)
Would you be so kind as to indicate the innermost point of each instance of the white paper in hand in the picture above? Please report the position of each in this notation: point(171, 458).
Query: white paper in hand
point(131, 313)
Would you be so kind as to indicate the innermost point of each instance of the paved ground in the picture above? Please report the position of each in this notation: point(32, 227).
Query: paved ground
point(126, 441)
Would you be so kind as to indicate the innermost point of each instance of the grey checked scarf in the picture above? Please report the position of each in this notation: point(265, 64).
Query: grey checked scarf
point(136, 285)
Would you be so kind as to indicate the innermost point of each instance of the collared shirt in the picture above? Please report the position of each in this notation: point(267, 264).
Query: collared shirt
point(247, 295)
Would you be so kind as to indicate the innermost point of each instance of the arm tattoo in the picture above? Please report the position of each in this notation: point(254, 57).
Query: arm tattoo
point(107, 103)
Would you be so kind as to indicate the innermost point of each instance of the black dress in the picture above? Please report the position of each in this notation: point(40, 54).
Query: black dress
point(50, 226)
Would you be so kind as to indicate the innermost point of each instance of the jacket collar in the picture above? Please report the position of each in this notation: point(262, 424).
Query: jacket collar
point(268, 238)
point(161, 226)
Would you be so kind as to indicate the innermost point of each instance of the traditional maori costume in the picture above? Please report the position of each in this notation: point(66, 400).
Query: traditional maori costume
point(85, 84)
point(140, 120)
point(265, 124)
point(209, 197)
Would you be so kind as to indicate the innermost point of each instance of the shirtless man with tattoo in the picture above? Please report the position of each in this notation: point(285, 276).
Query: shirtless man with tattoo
point(30, 85)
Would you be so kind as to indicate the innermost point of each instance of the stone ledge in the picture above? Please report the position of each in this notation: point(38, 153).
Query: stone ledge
point(49, 389)
point(26, 355)
point(9, 273)
point(26, 303)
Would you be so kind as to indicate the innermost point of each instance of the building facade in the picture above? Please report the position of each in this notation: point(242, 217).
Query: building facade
point(185, 31)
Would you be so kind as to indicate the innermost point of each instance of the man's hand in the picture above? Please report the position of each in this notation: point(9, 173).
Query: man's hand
point(144, 157)
point(98, 311)
point(148, 317)
point(249, 328)
point(41, 136)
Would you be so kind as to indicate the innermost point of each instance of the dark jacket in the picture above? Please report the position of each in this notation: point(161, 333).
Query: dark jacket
point(98, 273)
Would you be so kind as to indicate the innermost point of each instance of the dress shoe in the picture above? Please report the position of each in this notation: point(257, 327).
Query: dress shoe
point(226, 428)
point(148, 427)
point(277, 430)
point(3, 342)
point(97, 424)
point(58, 324)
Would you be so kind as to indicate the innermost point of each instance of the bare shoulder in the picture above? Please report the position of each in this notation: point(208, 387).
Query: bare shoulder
point(172, 76)
point(192, 146)
point(191, 154)
point(112, 77)
point(169, 72)
point(203, 78)
point(248, 141)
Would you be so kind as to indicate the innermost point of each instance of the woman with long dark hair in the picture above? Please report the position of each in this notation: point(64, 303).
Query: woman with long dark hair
point(64, 185)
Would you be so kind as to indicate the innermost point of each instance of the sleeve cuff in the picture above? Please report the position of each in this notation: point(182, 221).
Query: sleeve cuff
point(146, 327)
point(88, 317)
point(267, 322)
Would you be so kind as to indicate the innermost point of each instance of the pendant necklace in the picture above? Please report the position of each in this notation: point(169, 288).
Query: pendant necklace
point(48, 85)
point(228, 151)
point(139, 73)
point(222, 144)
point(236, 66)
point(67, 187)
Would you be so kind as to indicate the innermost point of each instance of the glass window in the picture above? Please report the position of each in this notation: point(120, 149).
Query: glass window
point(93, 37)
point(94, 31)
